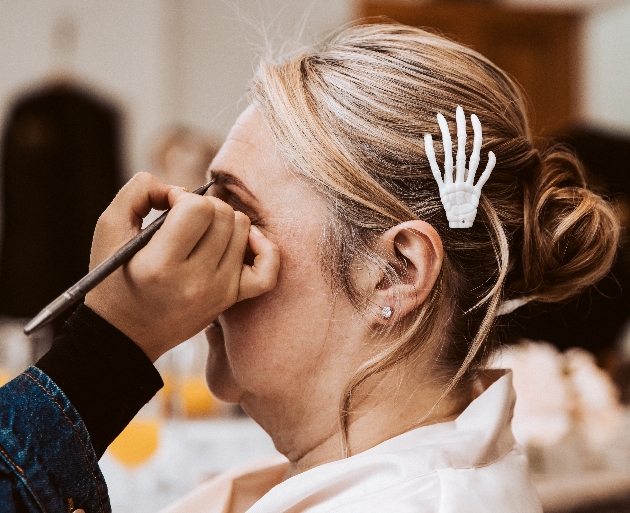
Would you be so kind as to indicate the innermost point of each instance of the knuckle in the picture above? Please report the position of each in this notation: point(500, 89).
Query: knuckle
point(203, 206)
point(222, 208)
point(143, 178)
point(268, 282)
point(151, 273)
point(153, 270)
point(194, 200)
point(194, 293)
point(209, 208)
point(106, 224)
point(103, 220)
point(241, 220)
point(198, 205)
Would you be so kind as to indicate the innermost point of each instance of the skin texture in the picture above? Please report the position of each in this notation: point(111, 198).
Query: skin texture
point(168, 291)
point(287, 354)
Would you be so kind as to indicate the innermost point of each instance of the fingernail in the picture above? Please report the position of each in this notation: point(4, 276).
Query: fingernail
point(256, 231)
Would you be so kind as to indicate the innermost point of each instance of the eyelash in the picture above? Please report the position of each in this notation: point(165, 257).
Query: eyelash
point(236, 204)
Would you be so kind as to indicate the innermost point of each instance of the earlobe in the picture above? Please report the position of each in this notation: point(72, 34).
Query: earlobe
point(414, 250)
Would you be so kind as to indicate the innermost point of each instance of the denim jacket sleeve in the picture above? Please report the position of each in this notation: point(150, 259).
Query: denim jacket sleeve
point(47, 462)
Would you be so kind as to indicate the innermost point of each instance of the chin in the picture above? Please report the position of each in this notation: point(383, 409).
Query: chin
point(219, 376)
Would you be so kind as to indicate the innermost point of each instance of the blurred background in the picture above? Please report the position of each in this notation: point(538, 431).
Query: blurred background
point(93, 92)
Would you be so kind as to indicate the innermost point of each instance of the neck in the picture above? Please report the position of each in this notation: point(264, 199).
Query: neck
point(386, 406)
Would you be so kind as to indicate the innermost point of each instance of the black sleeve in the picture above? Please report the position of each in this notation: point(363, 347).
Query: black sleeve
point(104, 374)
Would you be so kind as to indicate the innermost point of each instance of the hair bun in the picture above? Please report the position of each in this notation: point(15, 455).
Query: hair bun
point(570, 232)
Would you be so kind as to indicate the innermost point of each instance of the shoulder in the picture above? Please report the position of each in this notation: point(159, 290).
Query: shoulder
point(251, 480)
point(503, 485)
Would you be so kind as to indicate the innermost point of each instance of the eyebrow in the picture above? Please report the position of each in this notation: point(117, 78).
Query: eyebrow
point(225, 178)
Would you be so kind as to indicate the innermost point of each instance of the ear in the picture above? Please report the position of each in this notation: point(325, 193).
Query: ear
point(415, 250)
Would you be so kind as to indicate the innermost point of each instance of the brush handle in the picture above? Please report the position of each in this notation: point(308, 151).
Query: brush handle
point(78, 291)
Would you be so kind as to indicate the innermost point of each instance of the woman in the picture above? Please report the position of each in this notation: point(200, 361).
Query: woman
point(365, 362)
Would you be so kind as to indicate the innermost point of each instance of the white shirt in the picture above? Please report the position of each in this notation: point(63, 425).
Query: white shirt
point(471, 464)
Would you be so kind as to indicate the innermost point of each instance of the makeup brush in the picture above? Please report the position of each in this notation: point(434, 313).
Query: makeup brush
point(78, 291)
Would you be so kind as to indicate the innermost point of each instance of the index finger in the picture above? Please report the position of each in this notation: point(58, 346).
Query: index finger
point(184, 226)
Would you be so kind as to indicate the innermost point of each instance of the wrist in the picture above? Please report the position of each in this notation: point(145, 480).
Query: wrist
point(126, 327)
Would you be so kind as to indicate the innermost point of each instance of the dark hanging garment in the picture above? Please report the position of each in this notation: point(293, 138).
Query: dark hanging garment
point(61, 167)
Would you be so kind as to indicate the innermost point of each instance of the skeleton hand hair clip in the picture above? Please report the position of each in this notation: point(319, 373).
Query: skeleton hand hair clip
point(460, 197)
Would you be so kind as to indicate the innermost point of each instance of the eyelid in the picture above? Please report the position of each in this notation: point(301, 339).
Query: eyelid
point(225, 179)
point(232, 194)
point(241, 206)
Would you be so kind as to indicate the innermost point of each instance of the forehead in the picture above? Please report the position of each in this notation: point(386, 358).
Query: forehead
point(249, 144)
point(251, 155)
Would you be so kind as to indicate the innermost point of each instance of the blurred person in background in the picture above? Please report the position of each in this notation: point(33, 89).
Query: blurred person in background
point(181, 156)
point(365, 360)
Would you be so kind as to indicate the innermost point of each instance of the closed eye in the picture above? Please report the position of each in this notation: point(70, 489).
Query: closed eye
point(224, 190)
point(237, 204)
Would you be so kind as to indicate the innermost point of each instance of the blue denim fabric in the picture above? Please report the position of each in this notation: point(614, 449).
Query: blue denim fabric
point(47, 463)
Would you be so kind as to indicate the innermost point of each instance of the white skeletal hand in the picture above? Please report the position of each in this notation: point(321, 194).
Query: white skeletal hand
point(460, 197)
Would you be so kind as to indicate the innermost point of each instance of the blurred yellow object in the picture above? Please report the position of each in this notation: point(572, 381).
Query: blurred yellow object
point(196, 399)
point(5, 376)
point(136, 443)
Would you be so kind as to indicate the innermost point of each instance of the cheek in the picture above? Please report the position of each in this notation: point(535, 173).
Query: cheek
point(277, 339)
point(219, 376)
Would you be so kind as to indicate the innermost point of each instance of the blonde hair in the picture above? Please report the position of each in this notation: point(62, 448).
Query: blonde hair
point(350, 117)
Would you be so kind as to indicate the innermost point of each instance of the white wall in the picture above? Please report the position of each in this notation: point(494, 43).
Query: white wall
point(118, 50)
point(222, 39)
point(190, 61)
point(220, 44)
point(607, 69)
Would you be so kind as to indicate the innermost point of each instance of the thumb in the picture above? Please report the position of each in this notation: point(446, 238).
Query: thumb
point(123, 218)
point(135, 200)
point(262, 276)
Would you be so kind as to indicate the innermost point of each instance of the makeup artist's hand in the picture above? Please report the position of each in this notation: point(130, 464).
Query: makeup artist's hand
point(190, 271)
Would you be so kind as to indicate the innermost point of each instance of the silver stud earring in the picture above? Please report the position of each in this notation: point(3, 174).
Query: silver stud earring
point(386, 312)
